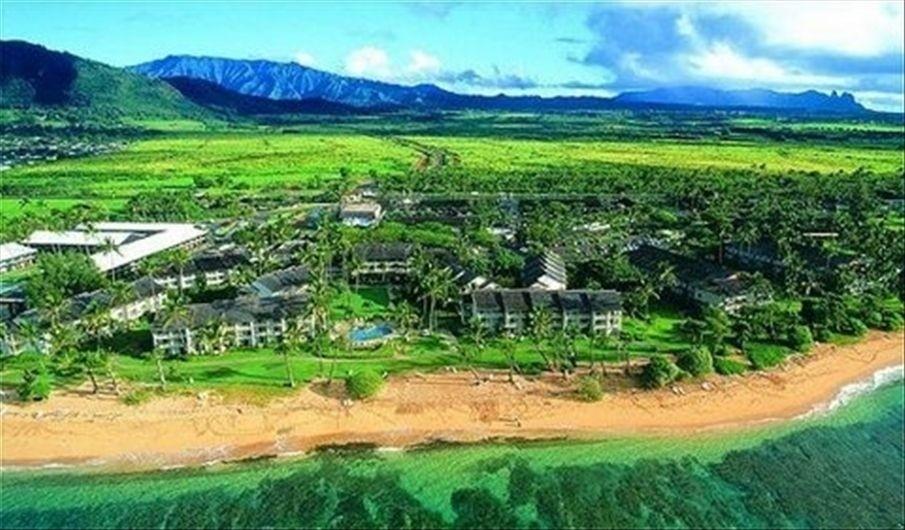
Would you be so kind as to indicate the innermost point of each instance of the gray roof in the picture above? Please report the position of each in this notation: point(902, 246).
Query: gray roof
point(523, 301)
point(212, 262)
point(379, 252)
point(240, 310)
point(282, 280)
point(81, 304)
point(547, 264)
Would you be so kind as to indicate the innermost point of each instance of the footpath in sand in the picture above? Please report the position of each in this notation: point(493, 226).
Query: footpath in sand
point(73, 428)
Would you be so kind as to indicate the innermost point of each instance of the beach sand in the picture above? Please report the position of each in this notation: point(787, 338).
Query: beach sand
point(75, 428)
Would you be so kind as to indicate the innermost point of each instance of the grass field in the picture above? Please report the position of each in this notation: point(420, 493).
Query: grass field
point(271, 159)
point(492, 154)
point(258, 160)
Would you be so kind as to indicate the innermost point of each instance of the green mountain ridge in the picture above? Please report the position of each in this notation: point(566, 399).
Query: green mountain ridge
point(35, 78)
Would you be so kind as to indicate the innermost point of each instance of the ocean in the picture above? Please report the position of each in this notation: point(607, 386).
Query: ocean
point(841, 466)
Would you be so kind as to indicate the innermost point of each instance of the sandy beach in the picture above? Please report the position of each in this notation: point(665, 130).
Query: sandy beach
point(74, 428)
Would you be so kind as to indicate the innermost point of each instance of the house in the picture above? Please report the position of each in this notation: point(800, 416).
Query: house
point(246, 321)
point(510, 310)
point(144, 296)
point(766, 256)
point(292, 280)
point(545, 271)
point(15, 256)
point(383, 261)
point(360, 214)
point(12, 300)
point(215, 269)
point(130, 242)
point(466, 279)
point(698, 281)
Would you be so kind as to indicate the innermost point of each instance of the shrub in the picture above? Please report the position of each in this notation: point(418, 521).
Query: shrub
point(874, 319)
point(659, 372)
point(726, 366)
point(363, 384)
point(765, 355)
point(893, 322)
point(36, 385)
point(136, 397)
point(800, 338)
point(589, 389)
point(854, 326)
point(697, 361)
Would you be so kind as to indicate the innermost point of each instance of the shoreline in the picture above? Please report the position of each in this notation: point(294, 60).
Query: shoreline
point(86, 431)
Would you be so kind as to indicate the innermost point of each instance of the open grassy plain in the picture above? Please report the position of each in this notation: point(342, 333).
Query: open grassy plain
point(309, 155)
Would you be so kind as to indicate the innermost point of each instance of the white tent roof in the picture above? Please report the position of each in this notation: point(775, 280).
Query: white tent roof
point(11, 251)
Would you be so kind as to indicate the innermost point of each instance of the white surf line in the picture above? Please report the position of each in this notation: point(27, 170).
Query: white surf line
point(849, 392)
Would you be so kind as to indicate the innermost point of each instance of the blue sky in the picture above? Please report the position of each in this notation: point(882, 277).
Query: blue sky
point(519, 48)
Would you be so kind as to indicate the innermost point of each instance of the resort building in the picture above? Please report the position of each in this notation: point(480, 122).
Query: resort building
point(117, 247)
point(213, 270)
point(766, 256)
point(383, 261)
point(510, 310)
point(14, 256)
point(546, 271)
point(247, 321)
point(293, 280)
point(701, 282)
point(144, 296)
point(361, 214)
point(466, 279)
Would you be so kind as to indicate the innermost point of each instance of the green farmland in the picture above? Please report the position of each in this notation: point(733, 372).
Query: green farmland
point(310, 155)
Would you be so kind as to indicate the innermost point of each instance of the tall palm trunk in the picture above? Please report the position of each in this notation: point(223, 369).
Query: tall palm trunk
point(93, 381)
point(160, 374)
point(289, 375)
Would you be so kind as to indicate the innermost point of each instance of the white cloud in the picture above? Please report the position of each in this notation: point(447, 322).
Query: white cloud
point(422, 62)
point(857, 28)
point(368, 61)
point(721, 61)
point(305, 58)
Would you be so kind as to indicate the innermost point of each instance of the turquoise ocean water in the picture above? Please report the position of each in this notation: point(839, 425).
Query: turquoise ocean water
point(840, 468)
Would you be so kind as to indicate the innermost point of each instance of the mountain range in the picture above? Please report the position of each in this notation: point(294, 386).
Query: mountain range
point(275, 80)
point(189, 86)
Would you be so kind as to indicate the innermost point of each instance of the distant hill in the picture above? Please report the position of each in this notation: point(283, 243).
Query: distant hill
point(33, 77)
point(213, 96)
point(810, 100)
point(291, 81)
point(273, 80)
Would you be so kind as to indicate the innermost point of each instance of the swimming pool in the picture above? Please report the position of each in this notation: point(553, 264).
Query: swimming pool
point(370, 333)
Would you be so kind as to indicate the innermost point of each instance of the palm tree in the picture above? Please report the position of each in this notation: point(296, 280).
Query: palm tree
point(213, 337)
point(436, 287)
point(173, 312)
point(90, 361)
point(108, 246)
point(180, 258)
point(293, 338)
point(475, 334)
point(404, 318)
point(157, 356)
point(109, 364)
point(540, 325)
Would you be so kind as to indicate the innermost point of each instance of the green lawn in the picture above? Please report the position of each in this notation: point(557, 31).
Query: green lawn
point(363, 303)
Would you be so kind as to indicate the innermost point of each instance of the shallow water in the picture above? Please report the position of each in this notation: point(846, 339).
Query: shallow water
point(841, 466)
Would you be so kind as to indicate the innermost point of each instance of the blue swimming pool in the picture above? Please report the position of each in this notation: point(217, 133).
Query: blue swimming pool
point(367, 334)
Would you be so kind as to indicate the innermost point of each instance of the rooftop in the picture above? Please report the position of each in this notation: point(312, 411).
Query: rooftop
point(11, 251)
point(241, 310)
